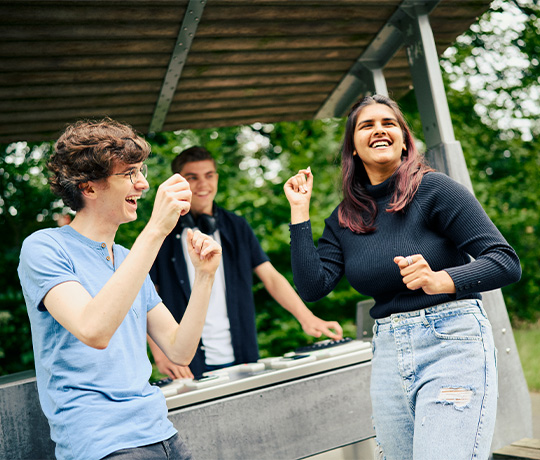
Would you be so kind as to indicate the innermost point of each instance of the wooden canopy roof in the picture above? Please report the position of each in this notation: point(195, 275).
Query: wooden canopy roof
point(165, 65)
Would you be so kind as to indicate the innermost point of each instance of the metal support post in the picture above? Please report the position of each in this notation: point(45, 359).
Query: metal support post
point(365, 75)
point(359, 80)
point(190, 22)
point(443, 151)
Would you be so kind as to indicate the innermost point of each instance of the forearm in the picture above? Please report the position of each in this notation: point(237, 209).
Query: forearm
point(103, 314)
point(185, 338)
point(315, 271)
point(280, 289)
point(484, 274)
point(299, 213)
point(157, 353)
point(284, 294)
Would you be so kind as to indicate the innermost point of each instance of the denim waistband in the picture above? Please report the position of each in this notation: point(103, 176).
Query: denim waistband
point(457, 307)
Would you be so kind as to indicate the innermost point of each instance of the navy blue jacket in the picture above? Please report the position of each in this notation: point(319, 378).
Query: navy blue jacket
point(241, 254)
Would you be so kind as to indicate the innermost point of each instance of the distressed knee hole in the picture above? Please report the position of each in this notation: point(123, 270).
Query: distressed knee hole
point(379, 453)
point(459, 397)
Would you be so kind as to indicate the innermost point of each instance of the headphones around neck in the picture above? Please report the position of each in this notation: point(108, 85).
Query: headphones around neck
point(206, 223)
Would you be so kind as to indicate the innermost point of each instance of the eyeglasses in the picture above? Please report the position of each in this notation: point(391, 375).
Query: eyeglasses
point(133, 173)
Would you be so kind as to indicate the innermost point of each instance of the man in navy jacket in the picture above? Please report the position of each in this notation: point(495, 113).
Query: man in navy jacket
point(229, 335)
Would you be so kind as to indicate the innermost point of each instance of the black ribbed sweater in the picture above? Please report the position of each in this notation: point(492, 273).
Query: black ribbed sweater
point(444, 222)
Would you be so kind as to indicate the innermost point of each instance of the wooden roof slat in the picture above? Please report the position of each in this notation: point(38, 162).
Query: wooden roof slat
point(57, 63)
point(246, 57)
point(305, 13)
point(268, 118)
point(74, 48)
point(239, 93)
point(283, 29)
point(116, 13)
point(239, 112)
point(73, 114)
point(77, 90)
point(282, 68)
point(50, 126)
point(88, 76)
point(255, 81)
point(227, 104)
point(453, 10)
point(262, 43)
point(307, 3)
point(67, 103)
point(107, 12)
point(83, 31)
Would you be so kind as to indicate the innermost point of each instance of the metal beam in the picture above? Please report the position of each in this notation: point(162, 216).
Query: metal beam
point(426, 74)
point(365, 75)
point(359, 80)
point(190, 22)
point(443, 151)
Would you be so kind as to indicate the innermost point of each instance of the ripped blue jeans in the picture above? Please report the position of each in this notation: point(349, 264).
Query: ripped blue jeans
point(434, 383)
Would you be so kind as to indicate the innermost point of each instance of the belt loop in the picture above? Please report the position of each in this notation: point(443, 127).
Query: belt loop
point(423, 316)
point(375, 328)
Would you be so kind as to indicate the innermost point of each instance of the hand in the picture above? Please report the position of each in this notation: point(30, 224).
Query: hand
point(299, 187)
point(316, 327)
point(174, 371)
point(173, 199)
point(419, 275)
point(204, 252)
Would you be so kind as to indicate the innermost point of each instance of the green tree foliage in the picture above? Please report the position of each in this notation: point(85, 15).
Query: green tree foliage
point(26, 205)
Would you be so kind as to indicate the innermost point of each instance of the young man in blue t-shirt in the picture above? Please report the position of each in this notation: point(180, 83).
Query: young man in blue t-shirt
point(91, 302)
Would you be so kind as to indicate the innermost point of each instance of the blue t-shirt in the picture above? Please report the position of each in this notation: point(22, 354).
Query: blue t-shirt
point(96, 401)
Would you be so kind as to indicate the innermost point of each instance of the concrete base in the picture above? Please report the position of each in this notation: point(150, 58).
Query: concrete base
point(288, 420)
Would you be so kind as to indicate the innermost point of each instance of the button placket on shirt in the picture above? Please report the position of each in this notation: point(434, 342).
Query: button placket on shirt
point(106, 253)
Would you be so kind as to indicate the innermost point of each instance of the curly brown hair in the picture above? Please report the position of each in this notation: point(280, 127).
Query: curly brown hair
point(88, 150)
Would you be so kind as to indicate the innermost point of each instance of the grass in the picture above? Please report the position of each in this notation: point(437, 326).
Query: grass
point(528, 344)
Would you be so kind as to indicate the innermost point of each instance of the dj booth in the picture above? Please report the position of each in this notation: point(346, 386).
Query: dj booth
point(294, 406)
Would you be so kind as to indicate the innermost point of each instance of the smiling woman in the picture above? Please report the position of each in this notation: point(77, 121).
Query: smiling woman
point(404, 235)
point(378, 142)
point(358, 209)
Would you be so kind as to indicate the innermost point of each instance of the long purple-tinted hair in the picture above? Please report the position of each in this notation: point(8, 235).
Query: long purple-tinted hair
point(358, 210)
